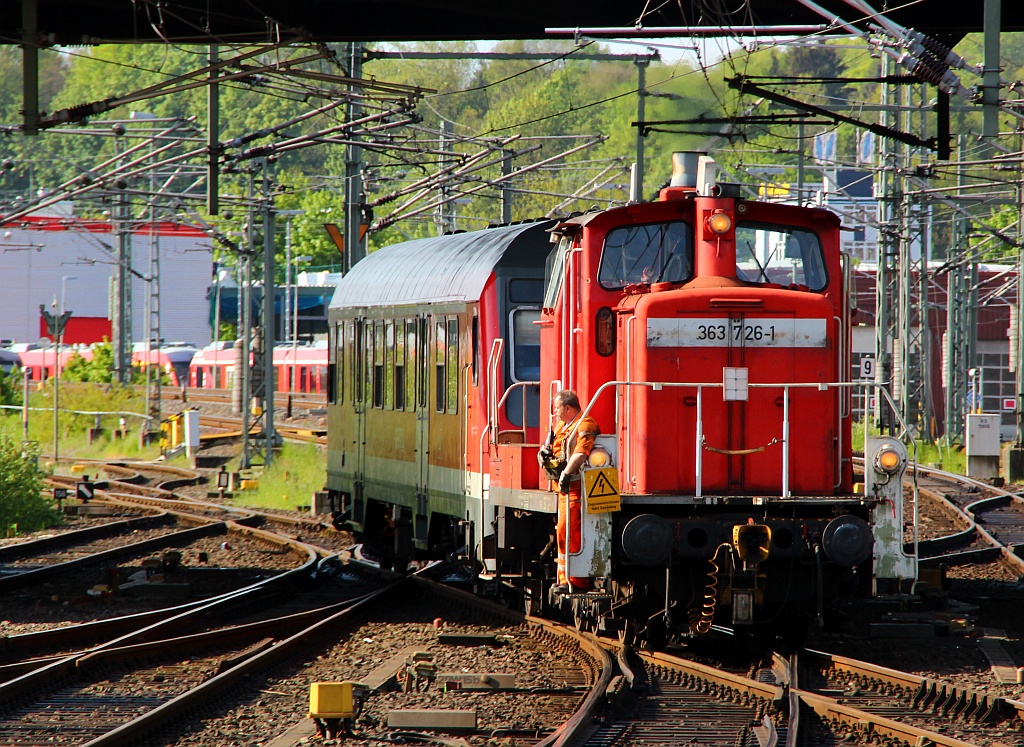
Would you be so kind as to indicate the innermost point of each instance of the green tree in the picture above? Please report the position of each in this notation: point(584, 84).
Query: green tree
point(11, 387)
point(23, 507)
point(97, 369)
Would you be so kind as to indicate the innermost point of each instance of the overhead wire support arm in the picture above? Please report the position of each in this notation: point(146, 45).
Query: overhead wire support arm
point(743, 85)
point(652, 125)
point(394, 217)
point(195, 79)
point(656, 31)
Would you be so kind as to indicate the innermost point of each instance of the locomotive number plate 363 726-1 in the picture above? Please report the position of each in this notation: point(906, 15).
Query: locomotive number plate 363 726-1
point(759, 332)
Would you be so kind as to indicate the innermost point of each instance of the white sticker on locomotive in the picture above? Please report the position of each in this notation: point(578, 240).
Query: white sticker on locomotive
point(704, 332)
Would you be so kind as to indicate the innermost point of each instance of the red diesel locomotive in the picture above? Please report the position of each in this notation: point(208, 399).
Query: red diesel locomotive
point(708, 336)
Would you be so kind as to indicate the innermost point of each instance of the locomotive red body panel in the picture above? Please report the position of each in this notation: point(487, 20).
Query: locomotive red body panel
point(687, 336)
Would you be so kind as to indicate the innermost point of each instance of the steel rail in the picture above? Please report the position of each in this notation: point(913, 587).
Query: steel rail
point(320, 634)
point(970, 512)
point(869, 725)
point(973, 704)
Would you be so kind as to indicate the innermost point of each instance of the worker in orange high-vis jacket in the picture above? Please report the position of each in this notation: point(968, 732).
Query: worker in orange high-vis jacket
point(563, 456)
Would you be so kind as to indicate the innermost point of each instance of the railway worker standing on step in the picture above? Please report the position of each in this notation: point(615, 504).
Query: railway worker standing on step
point(568, 449)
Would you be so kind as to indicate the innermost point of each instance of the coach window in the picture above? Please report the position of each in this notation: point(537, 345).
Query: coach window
point(422, 361)
point(475, 342)
point(652, 253)
point(334, 353)
point(371, 360)
point(453, 365)
point(400, 365)
point(366, 363)
point(378, 364)
point(440, 379)
point(344, 353)
point(410, 364)
point(356, 359)
point(781, 255)
point(389, 365)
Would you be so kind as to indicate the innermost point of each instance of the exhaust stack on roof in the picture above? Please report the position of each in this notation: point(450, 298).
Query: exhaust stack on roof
point(684, 168)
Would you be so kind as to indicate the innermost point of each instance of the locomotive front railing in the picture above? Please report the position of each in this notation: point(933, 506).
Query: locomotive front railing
point(626, 460)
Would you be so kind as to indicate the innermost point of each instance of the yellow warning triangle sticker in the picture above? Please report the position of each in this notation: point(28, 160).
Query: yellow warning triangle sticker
point(602, 487)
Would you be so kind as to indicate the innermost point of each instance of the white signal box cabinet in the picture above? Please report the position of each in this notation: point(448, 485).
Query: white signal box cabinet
point(982, 445)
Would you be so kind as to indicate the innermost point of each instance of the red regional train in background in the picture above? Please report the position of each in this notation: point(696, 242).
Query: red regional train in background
point(296, 369)
point(173, 360)
point(299, 369)
point(708, 335)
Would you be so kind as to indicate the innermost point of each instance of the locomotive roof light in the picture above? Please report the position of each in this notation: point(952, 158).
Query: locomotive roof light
point(719, 222)
point(717, 225)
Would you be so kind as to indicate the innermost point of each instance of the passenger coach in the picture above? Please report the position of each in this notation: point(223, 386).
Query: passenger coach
point(422, 332)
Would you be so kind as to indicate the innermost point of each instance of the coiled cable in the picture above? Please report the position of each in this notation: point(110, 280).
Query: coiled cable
point(701, 618)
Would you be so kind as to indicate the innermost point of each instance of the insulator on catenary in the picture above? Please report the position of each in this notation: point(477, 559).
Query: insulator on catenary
point(925, 73)
point(946, 81)
point(940, 50)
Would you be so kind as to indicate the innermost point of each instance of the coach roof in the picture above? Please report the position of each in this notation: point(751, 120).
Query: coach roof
point(454, 267)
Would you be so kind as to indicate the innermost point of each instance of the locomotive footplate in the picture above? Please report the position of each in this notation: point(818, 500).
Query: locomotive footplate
point(587, 594)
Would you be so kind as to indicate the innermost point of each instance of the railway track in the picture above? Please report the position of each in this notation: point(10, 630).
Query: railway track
point(231, 428)
point(839, 690)
point(815, 699)
point(223, 396)
point(989, 521)
point(125, 692)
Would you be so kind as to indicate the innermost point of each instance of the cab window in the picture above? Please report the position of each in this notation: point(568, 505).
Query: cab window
point(651, 253)
point(554, 272)
point(782, 255)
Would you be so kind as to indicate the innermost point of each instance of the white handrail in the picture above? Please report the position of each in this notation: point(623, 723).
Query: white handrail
point(570, 309)
point(493, 366)
point(508, 391)
point(785, 386)
point(785, 442)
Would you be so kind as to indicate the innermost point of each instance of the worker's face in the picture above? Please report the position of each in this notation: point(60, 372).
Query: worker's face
point(561, 409)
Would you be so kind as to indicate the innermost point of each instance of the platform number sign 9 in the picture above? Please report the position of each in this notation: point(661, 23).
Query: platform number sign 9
point(867, 367)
